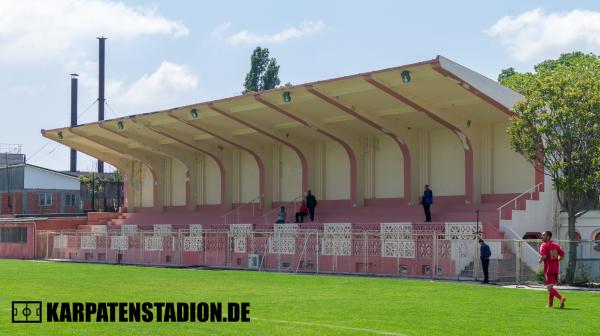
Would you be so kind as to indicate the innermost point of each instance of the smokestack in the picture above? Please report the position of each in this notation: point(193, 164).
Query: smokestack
point(101, 100)
point(73, 118)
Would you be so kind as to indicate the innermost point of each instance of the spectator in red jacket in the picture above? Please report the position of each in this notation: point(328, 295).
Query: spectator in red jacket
point(303, 211)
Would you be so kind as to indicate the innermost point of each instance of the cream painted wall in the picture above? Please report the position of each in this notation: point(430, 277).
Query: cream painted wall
point(290, 174)
point(511, 172)
point(249, 176)
point(147, 187)
point(212, 182)
point(178, 183)
point(389, 168)
point(447, 163)
point(337, 172)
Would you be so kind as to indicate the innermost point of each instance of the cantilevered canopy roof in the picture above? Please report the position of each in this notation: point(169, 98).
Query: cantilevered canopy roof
point(439, 94)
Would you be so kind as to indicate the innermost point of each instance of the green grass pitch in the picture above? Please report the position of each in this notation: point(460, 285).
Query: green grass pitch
point(288, 304)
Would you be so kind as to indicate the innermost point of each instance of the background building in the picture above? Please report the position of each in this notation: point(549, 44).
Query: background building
point(29, 189)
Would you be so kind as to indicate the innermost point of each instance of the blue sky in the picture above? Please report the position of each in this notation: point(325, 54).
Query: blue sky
point(163, 54)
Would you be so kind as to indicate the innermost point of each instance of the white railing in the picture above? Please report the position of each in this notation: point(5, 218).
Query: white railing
point(294, 202)
point(237, 210)
point(515, 200)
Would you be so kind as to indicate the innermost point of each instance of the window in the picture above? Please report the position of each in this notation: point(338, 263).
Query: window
point(70, 199)
point(597, 239)
point(45, 199)
point(13, 235)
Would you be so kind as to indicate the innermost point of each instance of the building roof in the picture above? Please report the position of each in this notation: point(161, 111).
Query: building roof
point(40, 168)
point(435, 94)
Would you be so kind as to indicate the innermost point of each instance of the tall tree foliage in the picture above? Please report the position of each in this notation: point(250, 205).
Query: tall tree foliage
point(264, 72)
point(557, 124)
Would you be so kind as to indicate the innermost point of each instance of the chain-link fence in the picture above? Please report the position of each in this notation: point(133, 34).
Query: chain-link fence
point(287, 248)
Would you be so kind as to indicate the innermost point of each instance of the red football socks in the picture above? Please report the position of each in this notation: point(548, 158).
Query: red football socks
point(554, 292)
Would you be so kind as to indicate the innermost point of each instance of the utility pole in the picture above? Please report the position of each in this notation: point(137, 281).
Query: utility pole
point(101, 100)
point(73, 166)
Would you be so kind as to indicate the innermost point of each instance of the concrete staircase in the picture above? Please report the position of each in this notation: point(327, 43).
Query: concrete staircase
point(367, 217)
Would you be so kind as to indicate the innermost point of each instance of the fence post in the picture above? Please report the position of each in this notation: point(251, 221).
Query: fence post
point(47, 243)
point(141, 245)
point(434, 256)
point(475, 260)
point(366, 253)
point(105, 247)
point(518, 261)
point(179, 247)
point(278, 237)
point(317, 249)
point(230, 247)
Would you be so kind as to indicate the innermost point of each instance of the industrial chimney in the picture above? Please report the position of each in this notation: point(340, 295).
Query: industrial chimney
point(73, 167)
point(101, 100)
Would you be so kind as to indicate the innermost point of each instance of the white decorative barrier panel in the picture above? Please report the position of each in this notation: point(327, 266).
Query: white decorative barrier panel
point(240, 233)
point(397, 240)
point(398, 248)
point(162, 229)
point(396, 231)
point(129, 229)
point(119, 243)
point(337, 239)
point(88, 242)
point(195, 230)
point(60, 242)
point(461, 230)
point(99, 230)
point(192, 244)
point(283, 240)
point(153, 243)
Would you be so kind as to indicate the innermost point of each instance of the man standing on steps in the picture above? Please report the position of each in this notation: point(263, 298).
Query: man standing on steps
point(484, 254)
point(426, 201)
point(311, 204)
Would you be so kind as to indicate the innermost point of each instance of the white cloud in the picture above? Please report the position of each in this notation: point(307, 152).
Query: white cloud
point(535, 35)
point(307, 28)
point(37, 30)
point(169, 85)
point(221, 30)
point(164, 86)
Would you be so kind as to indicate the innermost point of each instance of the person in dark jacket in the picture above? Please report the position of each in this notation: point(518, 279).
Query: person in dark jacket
point(311, 204)
point(484, 254)
point(426, 201)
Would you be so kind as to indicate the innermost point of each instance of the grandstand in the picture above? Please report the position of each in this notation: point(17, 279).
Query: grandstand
point(203, 182)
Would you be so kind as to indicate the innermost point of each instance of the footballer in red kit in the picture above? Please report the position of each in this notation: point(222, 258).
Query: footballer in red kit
point(551, 254)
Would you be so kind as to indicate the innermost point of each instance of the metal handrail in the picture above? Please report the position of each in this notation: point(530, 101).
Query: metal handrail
point(530, 191)
point(294, 201)
point(237, 210)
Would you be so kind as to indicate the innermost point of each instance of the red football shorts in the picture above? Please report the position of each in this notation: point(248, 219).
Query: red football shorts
point(550, 278)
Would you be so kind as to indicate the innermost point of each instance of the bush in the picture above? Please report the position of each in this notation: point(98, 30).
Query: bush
point(539, 275)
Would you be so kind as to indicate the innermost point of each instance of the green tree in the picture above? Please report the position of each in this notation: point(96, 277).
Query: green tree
point(264, 72)
point(557, 125)
point(506, 73)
